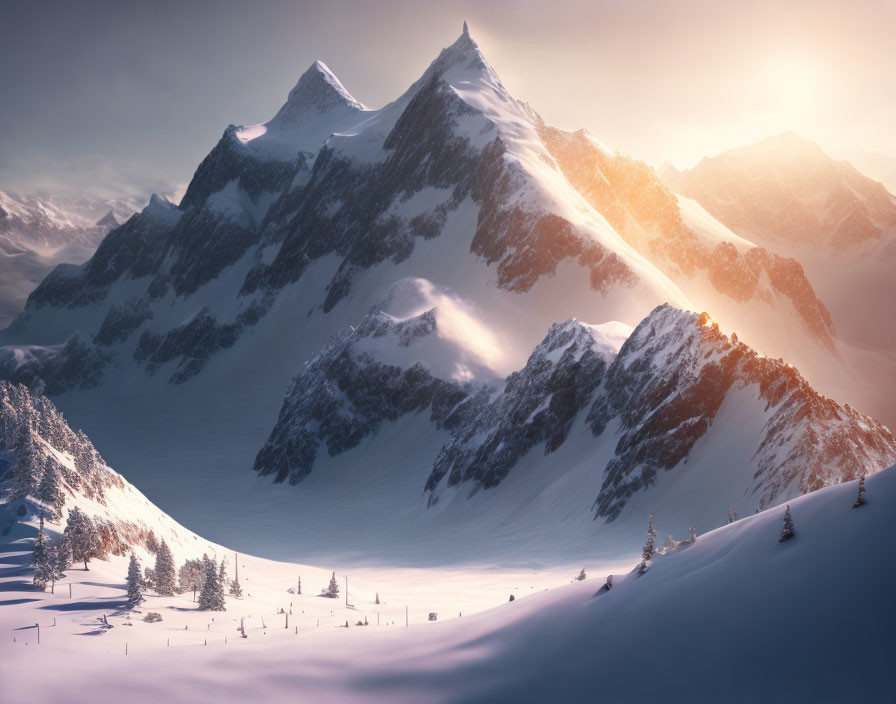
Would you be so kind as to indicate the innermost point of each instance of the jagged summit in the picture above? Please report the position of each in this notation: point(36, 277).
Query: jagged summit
point(318, 90)
point(108, 221)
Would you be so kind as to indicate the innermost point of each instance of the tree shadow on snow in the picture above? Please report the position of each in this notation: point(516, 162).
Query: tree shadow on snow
point(84, 606)
point(122, 587)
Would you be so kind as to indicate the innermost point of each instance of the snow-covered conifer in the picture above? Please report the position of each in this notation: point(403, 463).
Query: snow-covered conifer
point(693, 534)
point(191, 575)
point(135, 583)
point(731, 515)
point(81, 534)
point(42, 562)
point(649, 549)
point(50, 490)
point(609, 584)
point(165, 577)
point(235, 588)
point(211, 597)
point(333, 589)
point(377, 600)
point(787, 531)
point(860, 500)
point(581, 576)
point(299, 585)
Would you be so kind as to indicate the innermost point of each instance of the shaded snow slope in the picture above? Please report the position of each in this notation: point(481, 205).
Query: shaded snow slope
point(736, 616)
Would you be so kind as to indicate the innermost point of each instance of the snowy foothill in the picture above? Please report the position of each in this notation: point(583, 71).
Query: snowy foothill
point(735, 616)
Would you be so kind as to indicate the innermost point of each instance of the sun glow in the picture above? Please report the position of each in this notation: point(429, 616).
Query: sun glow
point(791, 85)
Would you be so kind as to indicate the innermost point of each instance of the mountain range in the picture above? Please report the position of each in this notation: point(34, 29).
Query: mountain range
point(413, 278)
point(39, 232)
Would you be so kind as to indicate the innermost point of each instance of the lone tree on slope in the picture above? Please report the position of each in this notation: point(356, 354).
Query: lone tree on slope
point(860, 500)
point(581, 577)
point(135, 583)
point(165, 577)
point(787, 531)
point(731, 515)
point(332, 590)
point(649, 548)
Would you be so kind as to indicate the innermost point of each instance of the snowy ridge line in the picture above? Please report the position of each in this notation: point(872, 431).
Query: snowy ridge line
point(660, 390)
point(47, 471)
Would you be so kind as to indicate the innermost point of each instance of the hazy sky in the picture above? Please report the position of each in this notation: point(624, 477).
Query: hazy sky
point(126, 98)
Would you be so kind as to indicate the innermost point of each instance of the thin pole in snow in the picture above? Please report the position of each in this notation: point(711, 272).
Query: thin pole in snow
point(125, 648)
point(287, 620)
point(69, 590)
point(37, 626)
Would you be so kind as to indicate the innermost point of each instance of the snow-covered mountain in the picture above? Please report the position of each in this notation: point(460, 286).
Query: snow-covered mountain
point(47, 470)
point(473, 229)
point(632, 409)
point(37, 233)
point(785, 193)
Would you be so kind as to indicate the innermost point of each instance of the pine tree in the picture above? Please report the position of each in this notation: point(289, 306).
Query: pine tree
point(135, 583)
point(81, 534)
point(235, 588)
point(63, 556)
point(649, 549)
point(731, 515)
point(222, 573)
point(693, 535)
point(581, 577)
point(43, 563)
point(299, 585)
point(333, 589)
point(377, 601)
point(191, 576)
point(787, 531)
point(50, 491)
point(642, 566)
point(165, 577)
point(211, 597)
point(609, 584)
point(860, 500)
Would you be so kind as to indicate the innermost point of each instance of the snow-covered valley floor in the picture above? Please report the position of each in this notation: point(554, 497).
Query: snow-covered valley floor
point(737, 617)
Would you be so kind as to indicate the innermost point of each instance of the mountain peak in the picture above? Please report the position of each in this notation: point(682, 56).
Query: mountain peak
point(318, 90)
point(108, 220)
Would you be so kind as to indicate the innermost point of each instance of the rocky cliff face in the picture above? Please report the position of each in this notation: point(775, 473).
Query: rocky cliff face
point(652, 403)
point(670, 380)
point(536, 407)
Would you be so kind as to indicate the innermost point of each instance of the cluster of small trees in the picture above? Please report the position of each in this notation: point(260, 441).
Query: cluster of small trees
point(205, 575)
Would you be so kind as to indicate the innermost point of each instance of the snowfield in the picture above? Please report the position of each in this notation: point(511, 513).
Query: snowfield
point(736, 617)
